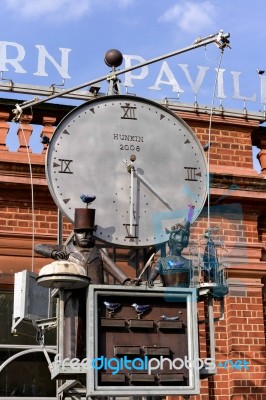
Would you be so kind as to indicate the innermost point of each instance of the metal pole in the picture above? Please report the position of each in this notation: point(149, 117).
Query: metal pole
point(61, 323)
point(59, 227)
point(211, 327)
point(198, 43)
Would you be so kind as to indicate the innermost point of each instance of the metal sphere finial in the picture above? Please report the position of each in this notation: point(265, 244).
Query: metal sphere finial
point(113, 58)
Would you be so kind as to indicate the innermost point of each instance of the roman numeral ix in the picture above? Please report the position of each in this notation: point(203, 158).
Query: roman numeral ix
point(65, 166)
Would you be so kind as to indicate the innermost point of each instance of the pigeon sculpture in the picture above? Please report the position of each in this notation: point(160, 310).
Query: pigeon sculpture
point(111, 307)
point(45, 140)
point(166, 318)
point(207, 146)
point(141, 309)
point(87, 199)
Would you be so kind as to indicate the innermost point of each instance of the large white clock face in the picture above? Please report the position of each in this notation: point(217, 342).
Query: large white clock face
point(144, 165)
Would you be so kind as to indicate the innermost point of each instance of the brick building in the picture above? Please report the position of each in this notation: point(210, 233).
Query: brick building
point(237, 202)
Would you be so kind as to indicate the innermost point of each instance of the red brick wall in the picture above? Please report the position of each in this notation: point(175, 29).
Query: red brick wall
point(229, 147)
point(246, 340)
point(241, 336)
point(21, 220)
point(19, 231)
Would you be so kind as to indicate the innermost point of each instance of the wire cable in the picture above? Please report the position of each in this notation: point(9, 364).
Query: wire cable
point(208, 58)
point(209, 139)
point(32, 198)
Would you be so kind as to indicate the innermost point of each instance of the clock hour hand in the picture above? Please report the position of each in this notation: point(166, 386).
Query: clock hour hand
point(153, 190)
point(148, 185)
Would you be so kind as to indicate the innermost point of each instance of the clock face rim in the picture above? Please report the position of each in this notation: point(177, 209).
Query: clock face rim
point(118, 98)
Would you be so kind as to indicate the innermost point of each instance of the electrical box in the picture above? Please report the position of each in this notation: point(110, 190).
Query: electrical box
point(31, 302)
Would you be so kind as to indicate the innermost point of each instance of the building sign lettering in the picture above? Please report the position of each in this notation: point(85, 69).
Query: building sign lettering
point(13, 56)
point(15, 63)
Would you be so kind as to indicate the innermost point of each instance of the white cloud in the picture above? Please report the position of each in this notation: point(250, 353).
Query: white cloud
point(51, 9)
point(60, 10)
point(191, 17)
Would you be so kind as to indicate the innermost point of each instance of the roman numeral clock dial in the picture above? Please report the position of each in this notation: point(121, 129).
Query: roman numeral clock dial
point(143, 163)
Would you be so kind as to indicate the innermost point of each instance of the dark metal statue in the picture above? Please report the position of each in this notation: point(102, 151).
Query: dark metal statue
point(82, 251)
point(174, 270)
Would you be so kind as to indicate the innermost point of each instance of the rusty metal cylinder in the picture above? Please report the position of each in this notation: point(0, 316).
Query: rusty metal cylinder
point(113, 269)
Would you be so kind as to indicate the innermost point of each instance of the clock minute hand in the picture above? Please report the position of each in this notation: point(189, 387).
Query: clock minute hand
point(131, 169)
point(131, 211)
point(149, 186)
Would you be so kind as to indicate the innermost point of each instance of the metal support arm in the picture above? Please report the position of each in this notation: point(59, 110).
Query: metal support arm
point(220, 39)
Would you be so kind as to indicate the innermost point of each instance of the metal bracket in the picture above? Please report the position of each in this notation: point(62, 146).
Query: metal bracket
point(114, 83)
point(54, 85)
point(39, 339)
point(11, 83)
point(19, 108)
point(46, 324)
point(222, 40)
point(67, 385)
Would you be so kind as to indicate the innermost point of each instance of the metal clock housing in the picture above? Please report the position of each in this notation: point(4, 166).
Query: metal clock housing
point(143, 163)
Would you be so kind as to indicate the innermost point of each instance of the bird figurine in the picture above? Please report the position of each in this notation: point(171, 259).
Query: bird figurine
point(173, 264)
point(166, 318)
point(141, 309)
point(87, 199)
point(207, 146)
point(45, 140)
point(111, 307)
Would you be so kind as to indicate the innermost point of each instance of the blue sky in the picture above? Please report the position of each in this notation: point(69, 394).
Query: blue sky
point(143, 28)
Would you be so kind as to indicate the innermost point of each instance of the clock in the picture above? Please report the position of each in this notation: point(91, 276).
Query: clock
point(143, 163)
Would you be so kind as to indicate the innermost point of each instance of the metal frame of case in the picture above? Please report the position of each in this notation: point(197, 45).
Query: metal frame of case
point(142, 294)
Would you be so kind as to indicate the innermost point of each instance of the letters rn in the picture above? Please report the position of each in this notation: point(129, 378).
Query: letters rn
point(18, 54)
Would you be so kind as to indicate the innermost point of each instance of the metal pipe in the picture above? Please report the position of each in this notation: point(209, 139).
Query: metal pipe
point(22, 353)
point(211, 327)
point(199, 43)
point(113, 269)
point(61, 323)
point(84, 96)
point(59, 227)
point(221, 316)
